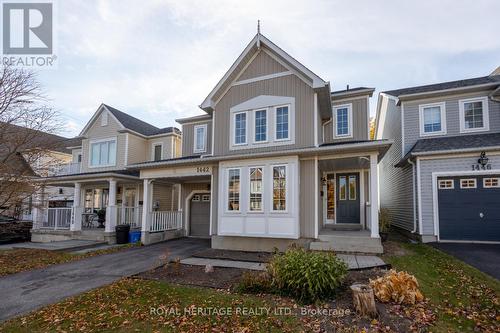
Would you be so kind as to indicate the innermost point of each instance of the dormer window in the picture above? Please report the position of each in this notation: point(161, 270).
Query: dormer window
point(342, 115)
point(474, 115)
point(157, 152)
point(104, 118)
point(432, 119)
point(200, 138)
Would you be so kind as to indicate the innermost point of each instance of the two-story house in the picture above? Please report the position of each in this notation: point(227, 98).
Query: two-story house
point(276, 158)
point(98, 177)
point(441, 177)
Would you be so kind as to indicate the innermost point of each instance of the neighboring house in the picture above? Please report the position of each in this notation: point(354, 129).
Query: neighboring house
point(55, 152)
point(441, 177)
point(98, 177)
point(277, 158)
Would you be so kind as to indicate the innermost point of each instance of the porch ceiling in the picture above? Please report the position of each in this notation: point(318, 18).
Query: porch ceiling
point(350, 163)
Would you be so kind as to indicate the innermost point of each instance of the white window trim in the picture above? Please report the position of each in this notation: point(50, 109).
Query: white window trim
point(442, 108)
point(287, 185)
point(349, 120)
point(261, 211)
point(445, 187)
point(233, 129)
point(195, 137)
point(467, 180)
point(226, 204)
point(276, 122)
point(492, 186)
point(154, 145)
point(91, 142)
point(486, 115)
point(255, 125)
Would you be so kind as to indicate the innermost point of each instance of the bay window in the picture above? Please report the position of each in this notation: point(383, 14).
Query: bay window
point(103, 153)
point(233, 190)
point(279, 188)
point(256, 189)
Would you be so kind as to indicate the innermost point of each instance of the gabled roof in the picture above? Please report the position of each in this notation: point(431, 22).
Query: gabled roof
point(492, 80)
point(258, 42)
point(469, 142)
point(131, 123)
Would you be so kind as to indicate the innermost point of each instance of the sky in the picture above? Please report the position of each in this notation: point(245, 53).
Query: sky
point(158, 60)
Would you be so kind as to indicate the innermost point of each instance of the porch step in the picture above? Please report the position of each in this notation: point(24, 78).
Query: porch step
point(346, 226)
point(347, 243)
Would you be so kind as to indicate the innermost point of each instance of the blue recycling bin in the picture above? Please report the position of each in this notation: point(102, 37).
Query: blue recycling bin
point(134, 236)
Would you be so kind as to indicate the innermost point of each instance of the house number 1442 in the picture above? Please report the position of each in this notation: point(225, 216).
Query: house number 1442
point(202, 169)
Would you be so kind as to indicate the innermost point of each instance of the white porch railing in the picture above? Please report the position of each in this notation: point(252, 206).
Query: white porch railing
point(66, 169)
point(166, 220)
point(57, 218)
point(130, 215)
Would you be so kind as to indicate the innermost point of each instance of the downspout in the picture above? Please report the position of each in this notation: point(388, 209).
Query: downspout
point(413, 196)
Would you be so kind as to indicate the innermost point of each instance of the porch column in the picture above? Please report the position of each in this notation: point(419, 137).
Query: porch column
point(374, 195)
point(111, 213)
point(146, 207)
point(39, 210)
point(76, 223)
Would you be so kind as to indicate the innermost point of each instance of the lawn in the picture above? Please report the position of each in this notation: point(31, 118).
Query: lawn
point(19, 260)
point(463, 298)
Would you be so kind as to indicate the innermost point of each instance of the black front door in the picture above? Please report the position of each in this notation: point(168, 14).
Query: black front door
point(348, 198)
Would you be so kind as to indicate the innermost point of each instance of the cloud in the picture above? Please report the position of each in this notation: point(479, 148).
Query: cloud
point(159, 59)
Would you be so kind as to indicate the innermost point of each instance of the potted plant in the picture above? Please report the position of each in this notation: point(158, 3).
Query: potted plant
point(384, 219)
point(101, 217)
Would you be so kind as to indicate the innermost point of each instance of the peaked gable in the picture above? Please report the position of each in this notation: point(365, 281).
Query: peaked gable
point(262, 64)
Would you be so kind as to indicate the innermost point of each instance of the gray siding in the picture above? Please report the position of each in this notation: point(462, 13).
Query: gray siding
point(188, 138)
point(290, 86)
point(263, 64)
point(395, 183)
point(427, 167)
point(360, 119)
point(306, 197)
point(411, 116)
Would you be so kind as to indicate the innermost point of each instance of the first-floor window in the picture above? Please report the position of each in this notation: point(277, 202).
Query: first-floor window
point(103, 153)
point(233, 190)
point(279, 188)
point(256, 189)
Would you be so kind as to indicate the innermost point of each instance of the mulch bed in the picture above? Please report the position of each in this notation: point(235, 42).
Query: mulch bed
point(234, 255)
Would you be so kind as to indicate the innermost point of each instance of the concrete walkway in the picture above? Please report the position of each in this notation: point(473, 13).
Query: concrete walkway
point(353, 261)
point(28, 291)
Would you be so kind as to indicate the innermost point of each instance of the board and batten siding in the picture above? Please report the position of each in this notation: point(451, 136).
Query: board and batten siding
point(396, 190)
point(289, 86)
point(188, 138)
point(412, 124)
point(262, 64)
point(359, 121)
point(307, 199)
point(447, 164)
point(96, 132)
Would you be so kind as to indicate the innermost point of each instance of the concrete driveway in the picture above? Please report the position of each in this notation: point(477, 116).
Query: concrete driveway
point(485, 257)
point(28, 291)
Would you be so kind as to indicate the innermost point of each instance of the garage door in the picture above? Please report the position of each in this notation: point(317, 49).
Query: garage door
point(469, 208)
point(200, 215)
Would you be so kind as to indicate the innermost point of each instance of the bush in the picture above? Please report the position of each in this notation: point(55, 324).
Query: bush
point(384, 218)
point(398, 287)
point(252, 282)
point(306, 275)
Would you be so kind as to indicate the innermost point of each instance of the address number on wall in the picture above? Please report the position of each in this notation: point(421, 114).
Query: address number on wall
point(202, 169)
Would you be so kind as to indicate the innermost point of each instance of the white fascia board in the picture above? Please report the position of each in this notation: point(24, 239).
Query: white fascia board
point(94, 118)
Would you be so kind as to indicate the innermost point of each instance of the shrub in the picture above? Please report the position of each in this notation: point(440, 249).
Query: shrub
point(252, 282)
point(398, 287)
point(384, 218)
point(307, 275)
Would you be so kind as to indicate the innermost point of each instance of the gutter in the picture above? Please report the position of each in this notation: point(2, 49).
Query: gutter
point(464, 150)
point(451, 90)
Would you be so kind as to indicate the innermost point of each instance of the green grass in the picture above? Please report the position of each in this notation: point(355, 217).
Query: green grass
point(126, 306)
point(462, 297)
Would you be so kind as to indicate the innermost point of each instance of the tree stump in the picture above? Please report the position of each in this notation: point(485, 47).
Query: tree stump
point(364, 300)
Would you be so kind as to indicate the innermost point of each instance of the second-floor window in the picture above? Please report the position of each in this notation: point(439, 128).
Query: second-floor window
point(343, 120)
point(240, 128)
point(432, 119)
point(282, 121)
point(200, 138)
point(157, 152)
point(103, 153)
point(260, 125)
point(474, 115)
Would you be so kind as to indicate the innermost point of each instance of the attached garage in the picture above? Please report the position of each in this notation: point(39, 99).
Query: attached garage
point(469, 208)
point(199, 215)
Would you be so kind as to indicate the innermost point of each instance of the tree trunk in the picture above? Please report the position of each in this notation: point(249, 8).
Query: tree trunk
point(363, 299)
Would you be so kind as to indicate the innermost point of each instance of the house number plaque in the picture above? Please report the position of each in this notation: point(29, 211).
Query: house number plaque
point(203, 169)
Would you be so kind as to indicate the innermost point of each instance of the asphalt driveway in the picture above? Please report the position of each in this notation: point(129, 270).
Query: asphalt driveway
point(28, 291)
point(485, 257)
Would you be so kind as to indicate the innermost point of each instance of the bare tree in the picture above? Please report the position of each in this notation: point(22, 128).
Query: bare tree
point(25, 120)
